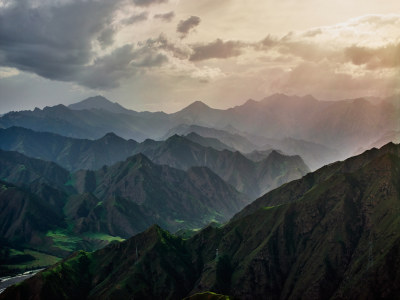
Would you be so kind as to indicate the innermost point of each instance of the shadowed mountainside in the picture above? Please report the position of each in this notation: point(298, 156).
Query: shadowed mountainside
point(252, 178)
point(71, 153)
point(333, 236)
point(46, 208)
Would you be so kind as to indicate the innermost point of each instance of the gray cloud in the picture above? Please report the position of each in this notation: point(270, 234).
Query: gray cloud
point(148, 2)
point(106, 37)
point(135, 18)
point(123, 62)
point(55, 41)
point(184, 26)
point(289, 45)
point(217, 49)
point(35, 39)
point(163, 43)
point(106, 71)
point(374, 58)
point(148, 59)
point(167, 17)
point(266, 44)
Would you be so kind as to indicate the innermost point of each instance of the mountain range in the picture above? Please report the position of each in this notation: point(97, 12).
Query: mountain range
point(247, 176)
point(94, 173)
point(341, 126)
point(70, 153)
point(46, 208)
point(329, 235)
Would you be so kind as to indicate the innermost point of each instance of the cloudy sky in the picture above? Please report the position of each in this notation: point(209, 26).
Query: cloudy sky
point(164, 54)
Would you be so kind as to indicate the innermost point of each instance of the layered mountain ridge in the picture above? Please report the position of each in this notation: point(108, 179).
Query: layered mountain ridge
point(334, 237)
point(86, 209)
point(343, 126)
point(247, 176)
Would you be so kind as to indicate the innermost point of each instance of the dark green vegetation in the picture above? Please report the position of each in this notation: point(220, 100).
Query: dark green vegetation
point(247, 176)
point(334, 234)
point(45, 208)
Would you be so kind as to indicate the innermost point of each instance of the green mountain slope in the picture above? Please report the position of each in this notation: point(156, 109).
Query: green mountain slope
point(24, 214)
point(20, 169)
point(337, 238)
point(49, 209)
point(137, 188)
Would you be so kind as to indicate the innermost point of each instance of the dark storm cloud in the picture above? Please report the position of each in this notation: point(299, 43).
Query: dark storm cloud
point(217, 49)
point(55, 41)
point(167, 17)
point(184, 26)
point(106, 71)
point(148, 2)
point(135, 18)
point(123, 62)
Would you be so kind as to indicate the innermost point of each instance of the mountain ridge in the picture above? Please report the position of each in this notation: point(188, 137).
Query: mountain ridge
point(177, 151)
point(344, 126)
point(316, 247)
point(99, 102)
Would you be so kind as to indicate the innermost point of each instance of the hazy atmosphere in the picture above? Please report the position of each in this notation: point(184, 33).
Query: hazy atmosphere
point(199, 149)
point(162, 55)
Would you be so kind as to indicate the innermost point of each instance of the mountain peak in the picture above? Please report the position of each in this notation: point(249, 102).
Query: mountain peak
point(98, 102)
point(198, 104)
point(193, 135)
point(309, 97)
point(195, 107)
point(139, 160)
point(111, 136)
point(56, 109)
point(250, 102)
point(176, 138)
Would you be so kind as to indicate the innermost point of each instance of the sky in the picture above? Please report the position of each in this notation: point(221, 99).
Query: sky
point(161, 55)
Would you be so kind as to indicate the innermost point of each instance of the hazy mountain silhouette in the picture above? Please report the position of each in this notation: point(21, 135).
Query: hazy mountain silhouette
point(234, 141)
point(99, 102)
point(208, 142)
point(343, 126)
point(247, 176)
